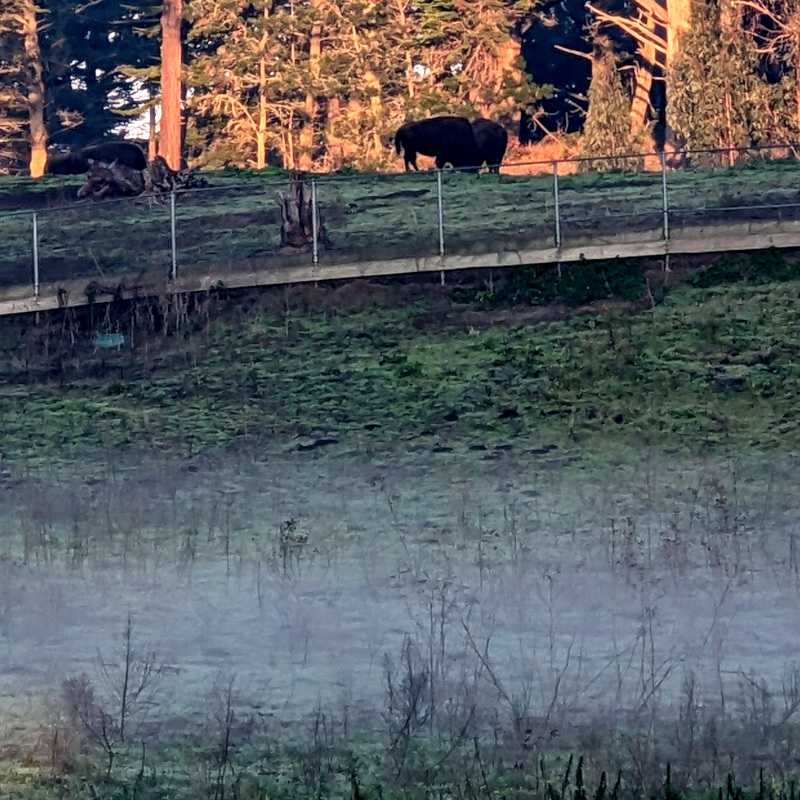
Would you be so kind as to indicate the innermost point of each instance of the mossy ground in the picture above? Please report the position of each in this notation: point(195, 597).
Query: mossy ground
point(707, 370)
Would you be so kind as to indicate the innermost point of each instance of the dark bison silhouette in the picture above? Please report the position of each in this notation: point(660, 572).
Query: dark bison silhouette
point(449, 139)
point(77, 162)
point(492, 139)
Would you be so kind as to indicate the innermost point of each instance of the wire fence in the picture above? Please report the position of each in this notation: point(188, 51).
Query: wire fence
point(234, 227)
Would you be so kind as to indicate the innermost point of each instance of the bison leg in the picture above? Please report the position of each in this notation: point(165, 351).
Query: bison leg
point(411, 160)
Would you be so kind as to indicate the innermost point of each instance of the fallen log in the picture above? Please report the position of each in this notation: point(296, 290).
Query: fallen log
point(160, 179)
point(118, 180)
point(112, 180)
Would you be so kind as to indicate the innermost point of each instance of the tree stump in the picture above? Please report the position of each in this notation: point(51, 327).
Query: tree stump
point(297, 227)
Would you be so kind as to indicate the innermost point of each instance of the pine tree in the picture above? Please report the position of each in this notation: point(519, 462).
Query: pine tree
point(245, 73)
point(714, 91)
point(82, 50)
point(339, 76)
point(14, 140)
point(473, 52)
point(607, 129)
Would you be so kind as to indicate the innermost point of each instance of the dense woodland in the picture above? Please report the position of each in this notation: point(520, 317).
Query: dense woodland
point(323, 84)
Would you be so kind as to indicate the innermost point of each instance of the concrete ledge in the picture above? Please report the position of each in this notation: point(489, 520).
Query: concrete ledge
point(727, 237)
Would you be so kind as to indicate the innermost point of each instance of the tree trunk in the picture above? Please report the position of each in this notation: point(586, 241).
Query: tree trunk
point(261, 133)
point(297, 225)
point(797, 84)
point(333, 143)
point(680, 19)
point(411, 86)
point(35, 89)
point(658, 31)
point(508, 54)
point(169, 142)
point(372, 83)
point(310, 108)
point(640, 104)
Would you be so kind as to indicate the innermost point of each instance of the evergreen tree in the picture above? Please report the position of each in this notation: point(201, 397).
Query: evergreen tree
point(607, 129)
point(83, 48)
point(715, 93)
point(774, 26)
point(658, 27)
point(14, 140)
point(245, 72)
point(473, 52)
point(325, 83)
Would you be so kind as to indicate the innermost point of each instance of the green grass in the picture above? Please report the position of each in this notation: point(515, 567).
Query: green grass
point(337, 767)
point(712, 368)
point(708, 368)
point(367, 216)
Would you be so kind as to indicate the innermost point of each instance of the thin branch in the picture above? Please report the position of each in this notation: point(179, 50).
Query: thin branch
point(634, 28)
point(574, 52)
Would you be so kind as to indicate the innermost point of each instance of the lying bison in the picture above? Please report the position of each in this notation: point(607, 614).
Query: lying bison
point(77, 162)
point(492, 139)
point(449, 139)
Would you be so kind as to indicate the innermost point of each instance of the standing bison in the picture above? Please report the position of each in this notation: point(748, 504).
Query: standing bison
point(76, 163)
point(449, 139)
point(492, 139)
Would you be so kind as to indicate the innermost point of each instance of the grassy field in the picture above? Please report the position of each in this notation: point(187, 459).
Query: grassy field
point(377, 541)
point(711, 368)
point(235, 223)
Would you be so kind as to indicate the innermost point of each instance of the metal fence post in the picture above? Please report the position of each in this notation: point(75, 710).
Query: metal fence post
point(173, 274)
point(440, 211)
point(314, 228)
point(557, 209)
point(440, 208)
point(664, 199)
point(35, 235)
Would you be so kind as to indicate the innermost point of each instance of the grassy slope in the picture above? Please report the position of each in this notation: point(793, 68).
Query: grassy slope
point(707, 368)
point(366, 216)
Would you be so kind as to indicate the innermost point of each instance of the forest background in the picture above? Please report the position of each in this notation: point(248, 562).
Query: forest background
point(323, 84)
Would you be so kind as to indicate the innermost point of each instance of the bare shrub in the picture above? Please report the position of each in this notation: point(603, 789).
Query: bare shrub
point(409, 699)
point(132, 683)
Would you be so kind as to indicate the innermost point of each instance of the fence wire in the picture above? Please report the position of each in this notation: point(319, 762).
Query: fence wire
point(233, 228)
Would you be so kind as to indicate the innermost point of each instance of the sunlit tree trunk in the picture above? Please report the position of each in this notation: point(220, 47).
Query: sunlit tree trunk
point(640, 103)
point(657, 29)
point(411, 87)
point(35, 91)
point(169, 141)
point(261, 132)
point(679, 18)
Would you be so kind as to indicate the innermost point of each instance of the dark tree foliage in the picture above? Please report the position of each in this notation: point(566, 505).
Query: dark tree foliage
point(83, 49)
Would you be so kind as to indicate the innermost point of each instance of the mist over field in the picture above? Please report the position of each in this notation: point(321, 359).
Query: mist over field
point(534, 586)
point(372, 540)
